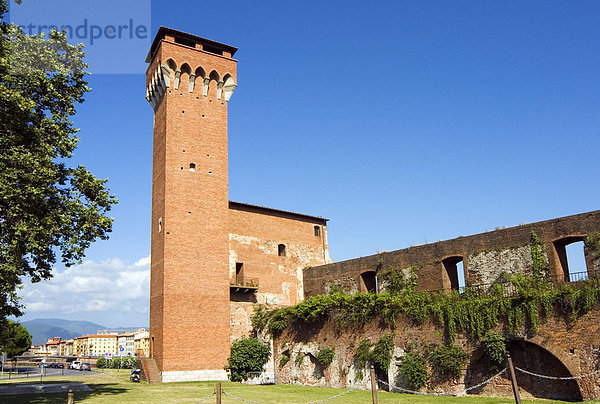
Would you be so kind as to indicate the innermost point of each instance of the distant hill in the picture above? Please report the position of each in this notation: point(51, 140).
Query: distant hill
point(43, 329)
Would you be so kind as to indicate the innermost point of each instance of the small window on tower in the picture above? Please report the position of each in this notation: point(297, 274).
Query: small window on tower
point(281, 250)
point(317, 231)
point(192, 167)
point(159, 224)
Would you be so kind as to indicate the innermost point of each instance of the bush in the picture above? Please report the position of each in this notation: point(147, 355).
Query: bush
point(494, 345)
point(102, 363)
point(381, 354)
point(413, 370)
point(325, 356)
point(247, 355)
point(449, 360)
point(284, 359)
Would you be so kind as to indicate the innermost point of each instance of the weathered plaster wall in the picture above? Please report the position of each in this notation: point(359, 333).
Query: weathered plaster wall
point(560, 348)
point(254, 237)
point(484, 256)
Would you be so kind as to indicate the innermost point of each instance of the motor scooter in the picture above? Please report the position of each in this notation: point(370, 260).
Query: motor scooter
point(135, 375)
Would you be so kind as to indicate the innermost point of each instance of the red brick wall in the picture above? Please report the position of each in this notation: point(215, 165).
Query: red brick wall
point(189, 311)
point(427, 258)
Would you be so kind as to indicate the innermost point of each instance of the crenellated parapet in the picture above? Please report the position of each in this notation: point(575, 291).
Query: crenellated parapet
point(189, 64)
point(170, 75)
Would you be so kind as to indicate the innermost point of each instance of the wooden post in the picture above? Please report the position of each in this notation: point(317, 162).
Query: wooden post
point(70, 397)
point(513, 380)
point(218, 393)
point(373, 385)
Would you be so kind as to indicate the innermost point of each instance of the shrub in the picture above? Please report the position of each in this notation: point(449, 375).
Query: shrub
point(325, 356)
point(449, 360)
point(362, 355)
point(494, 345)
point(399, 281)
point(247, 355)
point(284, 359)
point(102, 363)
point(299, 359)
point(413, 370)
point(381, 354)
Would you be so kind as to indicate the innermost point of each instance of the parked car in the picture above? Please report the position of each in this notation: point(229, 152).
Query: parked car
point(86, 366)
point(44, 365)
point(75, 365)
point(59, 365)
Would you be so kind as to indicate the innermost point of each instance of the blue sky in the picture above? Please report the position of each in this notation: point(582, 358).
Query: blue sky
point(401, 122)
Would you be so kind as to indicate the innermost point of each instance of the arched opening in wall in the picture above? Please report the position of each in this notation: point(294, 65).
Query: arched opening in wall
point(455, 272)
point(368, 282)
point(186, 72)
point(528, 356)
point(317, 231)
point(281, 250)
point(239, 272)
point(571, 257)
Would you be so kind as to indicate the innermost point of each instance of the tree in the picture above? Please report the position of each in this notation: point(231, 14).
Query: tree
point(14, 339)
point(47, 208)
point(247, 355)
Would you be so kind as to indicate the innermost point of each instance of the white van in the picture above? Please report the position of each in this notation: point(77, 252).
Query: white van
point(75, 365)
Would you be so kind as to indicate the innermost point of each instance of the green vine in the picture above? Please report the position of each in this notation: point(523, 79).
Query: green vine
point(538, 256)
point(494, 345)
point(473, 312)
point(592, 244)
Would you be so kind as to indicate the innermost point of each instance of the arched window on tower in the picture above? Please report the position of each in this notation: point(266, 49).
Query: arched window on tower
point(281, 250)
point(318, 231)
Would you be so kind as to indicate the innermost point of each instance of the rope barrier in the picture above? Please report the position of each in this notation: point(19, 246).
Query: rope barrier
point(402, 390)
point(204, 399)
point(557, 378)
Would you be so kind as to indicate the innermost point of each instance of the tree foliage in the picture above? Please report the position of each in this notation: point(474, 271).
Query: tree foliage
point(47, 207)
point(14, 338)
point(247, 355)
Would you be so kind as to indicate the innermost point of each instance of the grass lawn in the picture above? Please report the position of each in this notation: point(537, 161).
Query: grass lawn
point(114, 387)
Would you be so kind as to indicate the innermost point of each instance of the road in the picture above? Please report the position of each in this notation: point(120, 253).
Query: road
point(34, 372)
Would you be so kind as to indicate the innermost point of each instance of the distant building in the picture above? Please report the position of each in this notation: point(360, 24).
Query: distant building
point(96, 345)
point(142, 343)
point(126, 344)
point(52, 346)
point(66, 347)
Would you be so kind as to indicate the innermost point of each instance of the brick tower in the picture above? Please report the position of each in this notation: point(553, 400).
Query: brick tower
point(189, 82)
